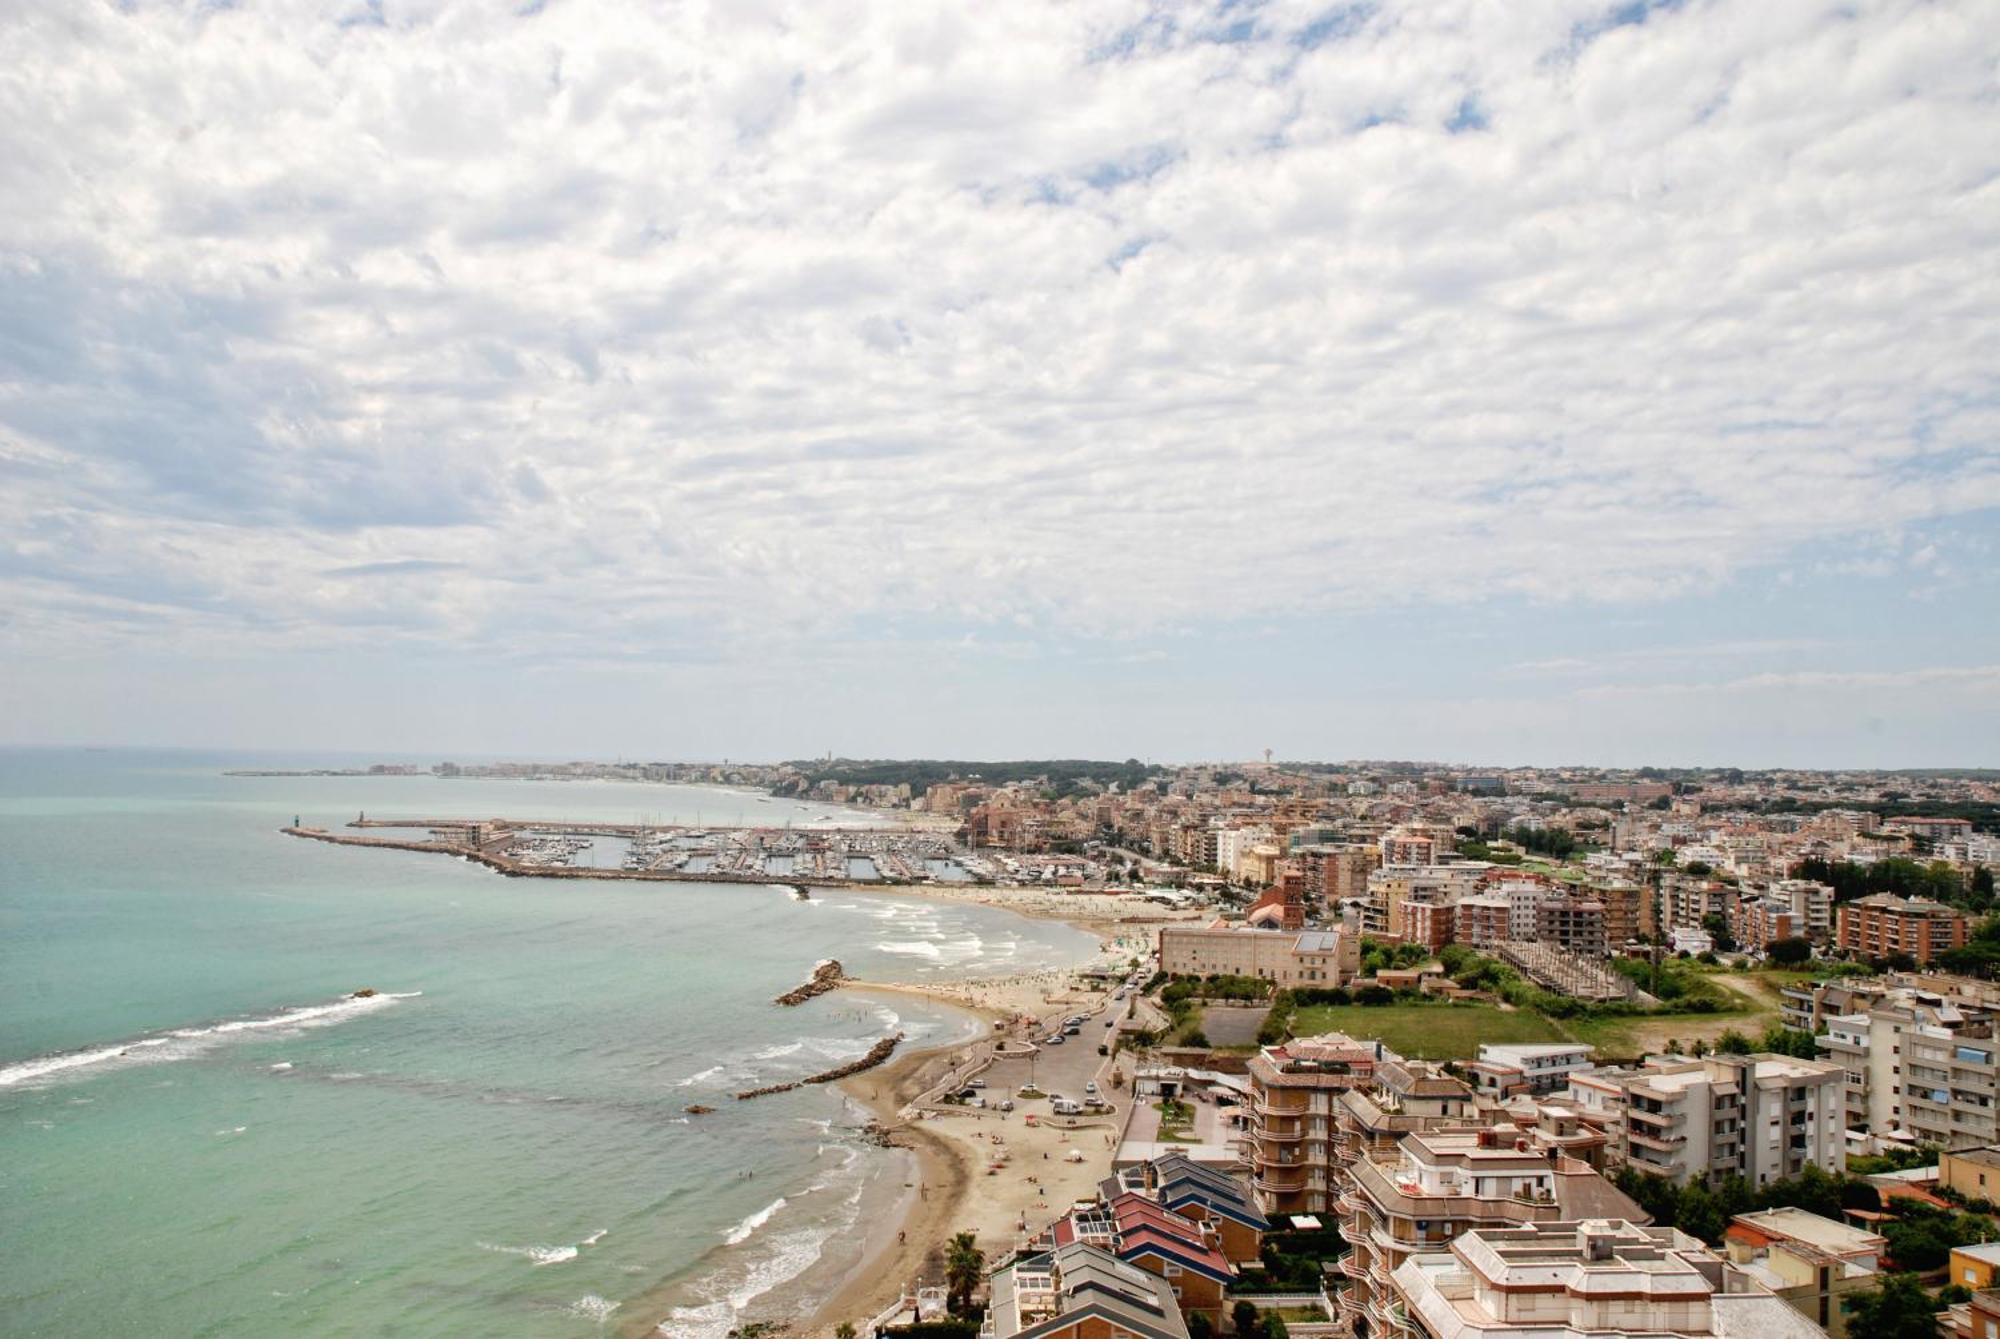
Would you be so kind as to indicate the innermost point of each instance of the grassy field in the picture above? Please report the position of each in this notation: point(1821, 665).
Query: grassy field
point(1427, 1031)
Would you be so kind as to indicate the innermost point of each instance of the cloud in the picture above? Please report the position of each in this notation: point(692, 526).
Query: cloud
point(702, 330)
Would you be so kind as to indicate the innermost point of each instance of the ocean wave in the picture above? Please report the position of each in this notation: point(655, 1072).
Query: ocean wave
point(743, 1231)
point(910, 948)
point(773, 1052)
point(592, 1307)
point(182, 1043)
point(541, 1255)
point(788, 1257)
point(713, 1071)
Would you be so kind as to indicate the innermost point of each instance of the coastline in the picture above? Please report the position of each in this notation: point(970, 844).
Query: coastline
point(938, 1170)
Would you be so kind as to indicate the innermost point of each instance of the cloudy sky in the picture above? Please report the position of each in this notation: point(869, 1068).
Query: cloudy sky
point(1533, 381)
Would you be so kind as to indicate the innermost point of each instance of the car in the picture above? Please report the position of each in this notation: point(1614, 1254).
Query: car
point(1073, 1029)
point(1091, 1087)
point(1056, 1040)
point(975, 1101)
point(1006, 1104)
point(976, 1083)
point(1111, 1022)
point(1103, 1048)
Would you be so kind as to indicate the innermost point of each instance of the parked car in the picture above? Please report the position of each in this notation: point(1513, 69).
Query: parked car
point(1006, 1104)
point(1091, 1087)
point(976, 1083)
point(1056, 1040)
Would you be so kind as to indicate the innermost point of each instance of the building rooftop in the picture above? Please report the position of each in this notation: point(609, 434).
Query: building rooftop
point(1823, 1234)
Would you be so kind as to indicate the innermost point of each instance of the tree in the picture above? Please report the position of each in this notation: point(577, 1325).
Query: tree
point(964, 1267)
point(1199, 1326)
point(1244, 1317)
point(1899, 1309)
point(1790, 952)
point(1733, 1042)
point(844, 1330)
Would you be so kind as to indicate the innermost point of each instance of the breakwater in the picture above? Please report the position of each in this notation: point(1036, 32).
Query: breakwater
point(826, 976)
point(877, 1053)
point(519, 870)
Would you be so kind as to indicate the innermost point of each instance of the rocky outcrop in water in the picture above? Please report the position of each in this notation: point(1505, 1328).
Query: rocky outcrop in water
point(877, 1053)
point(826, 976)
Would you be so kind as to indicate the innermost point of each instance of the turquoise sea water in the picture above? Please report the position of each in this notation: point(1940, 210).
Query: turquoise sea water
point(498, 1144)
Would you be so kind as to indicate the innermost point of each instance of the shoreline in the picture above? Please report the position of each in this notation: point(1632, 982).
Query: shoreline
point(943, 1190)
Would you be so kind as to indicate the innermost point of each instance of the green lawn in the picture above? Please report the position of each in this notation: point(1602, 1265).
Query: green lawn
point(1427, 1031)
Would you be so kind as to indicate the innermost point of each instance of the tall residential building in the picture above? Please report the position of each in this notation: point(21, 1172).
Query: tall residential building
point(1442, 1183)
point(1884, 924)
point(1917, 1062)
point(1762, 1117)
point(1597, 1279)
point(1293, 1091)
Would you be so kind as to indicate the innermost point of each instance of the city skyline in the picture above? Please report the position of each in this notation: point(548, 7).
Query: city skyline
point(1603, 384)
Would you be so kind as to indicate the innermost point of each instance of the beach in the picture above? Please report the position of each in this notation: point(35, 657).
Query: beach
point(984, 1172)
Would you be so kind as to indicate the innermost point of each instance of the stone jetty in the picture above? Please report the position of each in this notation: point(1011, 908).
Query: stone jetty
point(826, 976)
point(877, 1053)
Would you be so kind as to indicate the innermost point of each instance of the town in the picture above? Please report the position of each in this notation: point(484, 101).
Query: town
point(1436, 1052)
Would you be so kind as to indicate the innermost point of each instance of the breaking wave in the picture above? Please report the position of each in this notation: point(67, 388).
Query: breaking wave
point(184, 1043)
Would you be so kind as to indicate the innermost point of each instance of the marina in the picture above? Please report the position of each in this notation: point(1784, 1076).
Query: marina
point(718, 854)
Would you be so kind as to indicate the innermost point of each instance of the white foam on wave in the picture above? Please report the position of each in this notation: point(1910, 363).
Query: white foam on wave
point(711, 1072)
point(592, 1307)
point(282, 1065)
point(773, 1052)
point(541, 1255)
point(743, 1231)
point(910, 948)
point(182, 1043)
point(764, 1266)
point(595, 1237)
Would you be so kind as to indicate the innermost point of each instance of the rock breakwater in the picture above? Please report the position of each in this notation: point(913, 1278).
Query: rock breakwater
point(826, 976)
point(877, 1053)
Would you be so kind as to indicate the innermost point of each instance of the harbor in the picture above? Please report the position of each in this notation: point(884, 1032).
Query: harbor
point(554, 848)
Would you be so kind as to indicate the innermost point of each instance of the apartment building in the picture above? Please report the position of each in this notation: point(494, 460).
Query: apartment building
point(1310, 958)
point(1441, 1183)
point(1763, 1117)
point(1949, 1084)
point(1572, 921)
point(1757, 922)
point(1405, 1097)
point(1884, 924)
point(1813, 1263)
point(1293, 1091)
point(1079, 1291)
point(1600, 1278)
point(1431, 924)
point(1628, 911)
point(1506, 1069)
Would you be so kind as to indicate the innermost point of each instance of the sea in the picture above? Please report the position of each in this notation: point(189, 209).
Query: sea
point(203, 1133)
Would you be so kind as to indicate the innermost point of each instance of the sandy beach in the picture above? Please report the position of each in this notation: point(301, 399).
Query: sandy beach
point(948, 1187)
point(984, 1172)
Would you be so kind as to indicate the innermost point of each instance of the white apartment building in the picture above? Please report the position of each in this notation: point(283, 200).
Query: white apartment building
point(1598, 1279)
point(1763, 1117)
point(1504, 1069)
point(1919, 1063)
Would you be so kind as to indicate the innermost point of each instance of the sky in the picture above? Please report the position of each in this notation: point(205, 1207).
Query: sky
point(1540, 382)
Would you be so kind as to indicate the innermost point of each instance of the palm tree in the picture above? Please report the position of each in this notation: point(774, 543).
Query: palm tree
point(964, 1267)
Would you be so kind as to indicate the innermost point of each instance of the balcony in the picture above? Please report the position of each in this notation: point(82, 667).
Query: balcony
point(1664, 1143)
point(1664, 1120)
